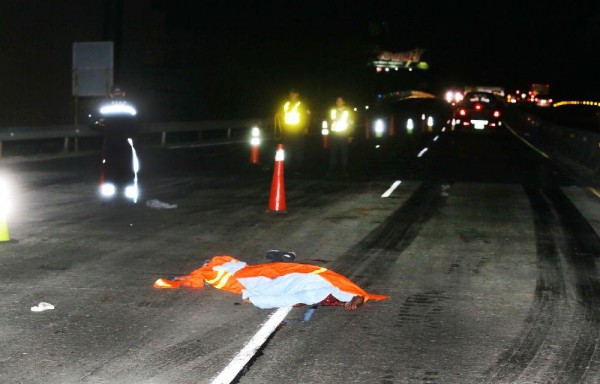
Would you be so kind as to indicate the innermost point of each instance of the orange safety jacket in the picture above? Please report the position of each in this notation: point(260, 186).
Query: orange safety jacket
point(212, 274)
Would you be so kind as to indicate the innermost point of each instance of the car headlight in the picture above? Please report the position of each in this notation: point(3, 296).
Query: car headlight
point(107, 190)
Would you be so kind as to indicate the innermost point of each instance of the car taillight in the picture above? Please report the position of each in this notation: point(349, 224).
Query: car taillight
point(478, 107)
point(496, 113)
point(462, 112)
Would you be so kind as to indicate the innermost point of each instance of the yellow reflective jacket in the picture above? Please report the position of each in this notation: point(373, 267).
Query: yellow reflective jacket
point(341, 121)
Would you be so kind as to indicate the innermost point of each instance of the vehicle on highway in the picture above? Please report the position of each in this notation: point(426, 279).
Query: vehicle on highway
point(404, 113)
point(478, 111)
point(543, 101)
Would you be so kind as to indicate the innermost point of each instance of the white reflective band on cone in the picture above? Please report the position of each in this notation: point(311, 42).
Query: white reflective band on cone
point(279, 155)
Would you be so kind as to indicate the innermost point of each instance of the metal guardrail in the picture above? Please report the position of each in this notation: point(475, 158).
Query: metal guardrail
point(578, 146)
point(71, 132)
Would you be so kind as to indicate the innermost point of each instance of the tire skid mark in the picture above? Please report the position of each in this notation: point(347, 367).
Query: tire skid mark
point(538, 354)
point(581, 242)
point(378, 251)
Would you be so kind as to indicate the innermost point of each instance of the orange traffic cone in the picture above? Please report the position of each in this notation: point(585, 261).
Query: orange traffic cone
point(277, 200)
point(254, 154)
point(102, 173)
point(254, 143)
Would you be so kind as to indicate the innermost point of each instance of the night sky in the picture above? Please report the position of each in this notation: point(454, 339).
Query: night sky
point(195, 60)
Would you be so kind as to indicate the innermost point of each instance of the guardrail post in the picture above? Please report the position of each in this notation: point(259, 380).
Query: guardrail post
point(229, 133)
point(163, 138)
point(66, 145)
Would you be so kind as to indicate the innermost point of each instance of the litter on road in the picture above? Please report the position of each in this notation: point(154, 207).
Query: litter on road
point(276, 284)
point(42, 307)
point(157, 204)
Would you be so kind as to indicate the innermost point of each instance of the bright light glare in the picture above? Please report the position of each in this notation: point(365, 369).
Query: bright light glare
point(4, 199)
point(324, 124)
point(108, 190)
point(410, 125)
point(449, 96)
point(430, 121)
point(131, 192)
point(255, 141)
point(379, 126)
point(324, 131)
point(255, 132)
point(118, 109)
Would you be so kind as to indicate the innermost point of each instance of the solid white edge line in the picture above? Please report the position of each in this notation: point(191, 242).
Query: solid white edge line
point(594, 191)
point(422, 152)
point(391, 189)
point(526, 142)
point(243, 357)
point(591, 189)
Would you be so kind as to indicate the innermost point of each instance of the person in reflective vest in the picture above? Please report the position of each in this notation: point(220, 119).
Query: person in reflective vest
point(341, 121)
point(276, 284)
point(116, 118)
point(292, 122)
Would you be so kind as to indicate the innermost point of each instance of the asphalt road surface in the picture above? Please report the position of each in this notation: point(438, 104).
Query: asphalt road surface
point(488, 250)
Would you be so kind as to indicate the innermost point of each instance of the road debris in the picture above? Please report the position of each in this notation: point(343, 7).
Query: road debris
point(43, 306)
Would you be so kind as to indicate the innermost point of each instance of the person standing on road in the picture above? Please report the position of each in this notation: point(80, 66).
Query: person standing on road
point(292, 122)
point(116, 118)
point(341, 121)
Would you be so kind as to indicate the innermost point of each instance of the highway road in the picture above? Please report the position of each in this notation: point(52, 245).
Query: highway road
point(487, 249)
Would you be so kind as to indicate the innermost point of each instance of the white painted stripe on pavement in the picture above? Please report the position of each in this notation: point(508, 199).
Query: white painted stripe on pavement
point(526, 142)
point(243, 357)
point(391, 189)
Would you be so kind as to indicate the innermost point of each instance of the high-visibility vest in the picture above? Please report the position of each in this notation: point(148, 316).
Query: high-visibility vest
point(212, 273)
point(291, 114)
point(340, 120)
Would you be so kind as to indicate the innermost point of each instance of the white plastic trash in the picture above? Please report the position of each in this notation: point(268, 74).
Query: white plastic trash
point(42, 307)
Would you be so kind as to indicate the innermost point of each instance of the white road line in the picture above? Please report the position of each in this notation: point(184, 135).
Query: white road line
point(591, 189)
point(422, 152)
point(594, 191)
point(243, 357)
point(526, 142)
point(391, 189)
